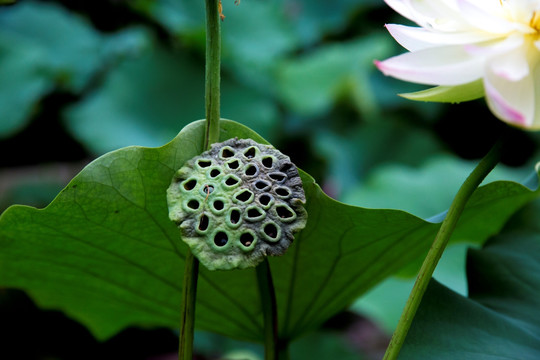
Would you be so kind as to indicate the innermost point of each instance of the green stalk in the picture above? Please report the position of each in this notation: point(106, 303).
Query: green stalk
point(283, 353)
point(441, 240)
point(211, 135)
point(267, 293)
point(187, 310)
point(213, 70)
point(269, 307)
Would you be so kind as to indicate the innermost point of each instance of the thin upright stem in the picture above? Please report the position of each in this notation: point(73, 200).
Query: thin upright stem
point(283, 353)
point(211, 135)
point(268, 301)
point(187, 321)
point(435, 252)
point(213, 72)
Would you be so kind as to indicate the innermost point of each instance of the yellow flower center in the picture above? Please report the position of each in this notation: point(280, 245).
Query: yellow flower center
point(535, 21)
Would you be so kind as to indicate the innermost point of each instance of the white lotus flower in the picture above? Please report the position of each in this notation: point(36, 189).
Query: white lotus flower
point(463, 44)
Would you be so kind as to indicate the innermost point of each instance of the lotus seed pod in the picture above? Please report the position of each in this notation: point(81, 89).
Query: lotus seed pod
point(237, 203)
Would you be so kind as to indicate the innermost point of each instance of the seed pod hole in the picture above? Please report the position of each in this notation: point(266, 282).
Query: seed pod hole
point(218, 205)
point(204, 163)
point(231, 181)
point(214, 173)
point(208, 189)
point(244, 196)
point(271, 230)
point(221, 239)
point(190, 184)
point(193, 204)
point(262, 185)
point(233, 165)
point(279, 177)
point(251, 170)
point(265, 199)
point(204, 221)
point(283, 212)
point(283, 192)
point(234, 216)
point(227, 153)
point(285, 167)
point(268, 162)
point(254, 213)
point(246, 239)
point(250, 152)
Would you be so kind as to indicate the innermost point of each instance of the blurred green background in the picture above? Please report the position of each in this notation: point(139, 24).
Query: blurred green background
point(80, 78)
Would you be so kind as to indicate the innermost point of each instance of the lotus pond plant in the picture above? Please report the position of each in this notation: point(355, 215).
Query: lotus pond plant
point(469, 49)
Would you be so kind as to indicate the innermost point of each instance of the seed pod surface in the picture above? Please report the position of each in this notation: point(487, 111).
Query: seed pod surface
point(237, 203)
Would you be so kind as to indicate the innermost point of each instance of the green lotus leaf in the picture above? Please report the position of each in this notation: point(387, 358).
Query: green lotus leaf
point(500, 317)
point(105, 252)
